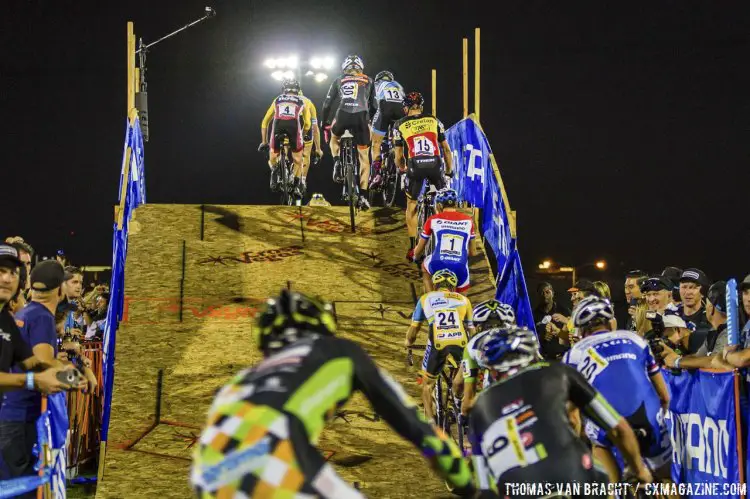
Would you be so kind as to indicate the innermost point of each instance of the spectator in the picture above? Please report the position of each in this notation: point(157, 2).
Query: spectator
point(547, 326)
point(25, 253)
point(633, 297)
point(96, 318)
point(568, 334)
point(674, 274)
point(602, 289)
point(658, 293)
point(21, 408)
point(745, 290)
point(72, 288)
point(742, 358)
point(711, 351)
point(693, 284)
point(680, 338)
point(13, 350)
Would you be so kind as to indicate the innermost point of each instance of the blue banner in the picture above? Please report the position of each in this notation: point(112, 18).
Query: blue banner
point(702, 422)
point(476, 184)
point(135, 195)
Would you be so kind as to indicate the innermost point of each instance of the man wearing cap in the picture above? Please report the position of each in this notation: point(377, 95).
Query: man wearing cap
point(21, 408)
point(681, 338)
point(674, 274)
point(693, 285)
point(658, 293)
point(710, 353)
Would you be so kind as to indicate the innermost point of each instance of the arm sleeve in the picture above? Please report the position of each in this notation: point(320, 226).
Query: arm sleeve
point(418, 316)
point(389, 400)
point(652, 367)
point(333, 92)
point(472, 234)
point(703, 350)
point(313, 113)
point(21, 349)
point(427, 229)
point(373, 105)
point(721, 341)
point(471, 368)
point(306, 118)
point(269, 115)
point(441, 130)
point(42, 330)
point(398, 141)
point(590, 401)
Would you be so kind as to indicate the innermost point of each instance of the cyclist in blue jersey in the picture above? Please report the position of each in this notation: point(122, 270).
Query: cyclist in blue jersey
point(454, 241)
point(389, 94)
point(620, 365)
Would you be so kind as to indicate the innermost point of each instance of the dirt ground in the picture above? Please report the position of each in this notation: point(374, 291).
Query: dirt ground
point(247, 254)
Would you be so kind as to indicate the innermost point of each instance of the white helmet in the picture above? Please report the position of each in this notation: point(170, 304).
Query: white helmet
point(353, 61)
point(591, 308)
point(493, 310)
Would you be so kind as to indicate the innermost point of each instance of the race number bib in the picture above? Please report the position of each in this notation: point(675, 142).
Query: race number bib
point(288, 111)
point(423, 147)
point(592, 365)
point(447, 327)
point(505, 447)
point(451, 246)
point(349, 90)
point(393, 95)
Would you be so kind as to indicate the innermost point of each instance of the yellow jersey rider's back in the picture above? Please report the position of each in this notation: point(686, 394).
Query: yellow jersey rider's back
point(288, 114)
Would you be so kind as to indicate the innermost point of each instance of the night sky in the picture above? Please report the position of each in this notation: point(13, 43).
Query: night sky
point(621, 130)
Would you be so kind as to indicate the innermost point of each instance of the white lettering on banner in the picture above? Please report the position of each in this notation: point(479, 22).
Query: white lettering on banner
point(502, 240)
point(472, 170)
point(698, 443)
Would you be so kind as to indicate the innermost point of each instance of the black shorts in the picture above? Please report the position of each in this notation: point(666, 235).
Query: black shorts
point(435, 359)
point(357, 125)
point(418, 169)
point(387, 114)
point(289, 128)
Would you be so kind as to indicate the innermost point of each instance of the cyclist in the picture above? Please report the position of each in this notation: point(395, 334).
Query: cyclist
point(417, 139)
point(454, 238)
point(620, 365)
point(311, 138)
point(488, 314)
point(389, 95)
point(264, 424)
point(448, 315)
point(287, 115)
point(519, 428)
point(356, 95)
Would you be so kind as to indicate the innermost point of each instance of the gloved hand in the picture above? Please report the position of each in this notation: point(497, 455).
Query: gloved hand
point(327, 133)
point(264, 147)
point(410, 255)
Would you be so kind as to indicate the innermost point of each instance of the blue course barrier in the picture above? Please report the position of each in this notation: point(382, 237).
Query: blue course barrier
point(478, 183)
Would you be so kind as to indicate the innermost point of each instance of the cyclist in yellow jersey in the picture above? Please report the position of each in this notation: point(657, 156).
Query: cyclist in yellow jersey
point(288, 115)
point(450, 318)
point(312, 138)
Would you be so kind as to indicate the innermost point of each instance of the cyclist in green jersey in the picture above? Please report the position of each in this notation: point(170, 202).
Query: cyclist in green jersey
point(263, 426)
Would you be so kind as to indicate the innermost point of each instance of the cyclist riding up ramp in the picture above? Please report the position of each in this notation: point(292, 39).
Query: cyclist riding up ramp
point(356, 95)
point(417, 140)
point(288, 115)
point(259, 441)
point(455, 241)
point(620, 365)
point(449, 317)
point(389, 95)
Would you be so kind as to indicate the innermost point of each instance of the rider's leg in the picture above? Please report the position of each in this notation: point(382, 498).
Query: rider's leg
point(426, 275)
point(608, 462)
point(306, 157)
point(428, 385)
point(335, 145)
point(377, 140)
point(364, 167)
point(273, 158)
point(297, 159)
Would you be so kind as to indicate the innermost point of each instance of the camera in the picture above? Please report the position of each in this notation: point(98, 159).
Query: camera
point(657, 322)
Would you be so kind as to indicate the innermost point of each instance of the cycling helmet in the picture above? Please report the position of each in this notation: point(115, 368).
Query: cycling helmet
point(384, 75)
point(353, 62)
point(445, 277)
point(494, 311)
point(290, 85)
point(413, 99)
point(591, 308)
point(506, 348)
point(289, 317)
point(446, 197)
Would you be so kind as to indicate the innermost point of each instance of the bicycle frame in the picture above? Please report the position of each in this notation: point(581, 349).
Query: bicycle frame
point(350, 162)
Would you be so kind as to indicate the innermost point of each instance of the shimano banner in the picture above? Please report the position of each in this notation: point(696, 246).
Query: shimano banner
point(703, 422)
point(476, 183)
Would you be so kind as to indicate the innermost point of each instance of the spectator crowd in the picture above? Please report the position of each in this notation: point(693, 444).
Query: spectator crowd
point(46, 323)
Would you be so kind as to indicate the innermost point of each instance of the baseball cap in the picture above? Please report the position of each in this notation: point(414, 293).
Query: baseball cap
point(673, 274)
point(584, 285)
point(47, 275)
point(694, 275)
point(717, 295)
point(636, 273)
point(745, 284)
point(656, 283)
point(674, 320)
point(9, 256)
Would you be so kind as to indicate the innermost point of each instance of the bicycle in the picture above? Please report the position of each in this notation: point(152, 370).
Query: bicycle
point(425, 209)
point(285, 170)
point(350, 164)
point(389, 173)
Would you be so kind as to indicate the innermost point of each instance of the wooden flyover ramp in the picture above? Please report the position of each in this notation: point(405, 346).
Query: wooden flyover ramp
point(194, 325)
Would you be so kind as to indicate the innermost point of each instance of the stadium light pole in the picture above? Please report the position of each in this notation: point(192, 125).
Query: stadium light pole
point(290, 66)
point(550, 267)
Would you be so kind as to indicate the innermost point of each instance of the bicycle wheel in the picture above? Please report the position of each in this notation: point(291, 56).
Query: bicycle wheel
point(349, 176)
point(281, 168)
point(437, 398)
point(390, 183)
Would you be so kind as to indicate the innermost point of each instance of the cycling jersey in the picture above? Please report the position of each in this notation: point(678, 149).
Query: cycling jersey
point(288, 115)
point(619, 364)
point(389, 91)
point(452, 232)
point(469, 360)
point(420, 135)
point(520, 431)
point(448, 315)
point(355, 93)
point(261, 428)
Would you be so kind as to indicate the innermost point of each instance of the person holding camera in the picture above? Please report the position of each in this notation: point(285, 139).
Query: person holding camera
point(547, 325)
point(710, 353)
